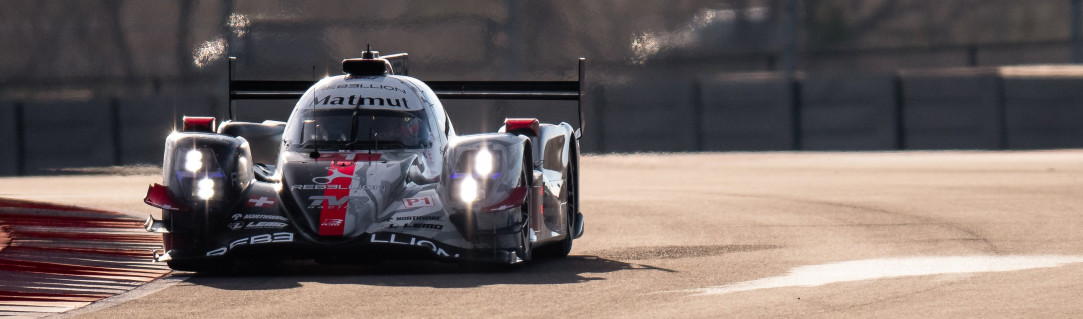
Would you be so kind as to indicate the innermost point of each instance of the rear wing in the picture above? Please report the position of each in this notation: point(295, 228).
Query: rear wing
point(449, 90)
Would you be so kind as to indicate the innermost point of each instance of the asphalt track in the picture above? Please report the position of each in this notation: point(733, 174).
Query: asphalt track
point(913, 234)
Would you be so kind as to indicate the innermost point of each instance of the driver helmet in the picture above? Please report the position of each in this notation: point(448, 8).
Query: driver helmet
point(404, 129)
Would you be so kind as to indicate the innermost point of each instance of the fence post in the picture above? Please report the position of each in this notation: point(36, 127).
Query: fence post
point(789, 36)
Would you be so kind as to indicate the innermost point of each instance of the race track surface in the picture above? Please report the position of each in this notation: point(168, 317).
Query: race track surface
point(913, 234)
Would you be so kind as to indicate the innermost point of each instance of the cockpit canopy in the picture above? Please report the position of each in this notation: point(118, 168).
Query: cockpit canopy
point(359, 129)
point(359, 113)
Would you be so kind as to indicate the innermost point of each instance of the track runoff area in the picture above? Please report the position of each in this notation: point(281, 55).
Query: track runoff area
point(895, 234)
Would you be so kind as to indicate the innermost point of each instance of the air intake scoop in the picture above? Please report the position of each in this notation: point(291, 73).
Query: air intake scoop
point(370, 64)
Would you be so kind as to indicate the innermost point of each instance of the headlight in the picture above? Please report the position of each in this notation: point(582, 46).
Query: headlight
point(193, 161)
point(483, 162)
point(468, 189)
point(205, 188)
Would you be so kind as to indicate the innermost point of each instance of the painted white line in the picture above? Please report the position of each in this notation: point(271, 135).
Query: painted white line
point(140, 292)
point(870, 269)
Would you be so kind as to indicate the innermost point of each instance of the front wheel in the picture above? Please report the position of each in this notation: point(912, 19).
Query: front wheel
point(571, 181)
point(526, 249)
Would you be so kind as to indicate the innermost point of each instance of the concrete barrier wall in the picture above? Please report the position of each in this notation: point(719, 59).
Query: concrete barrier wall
point(592, 135)
point(996, 108)
point(650, 115)
point(9, 155)
point(68, 134)
point(951, 109)
point(1044, 112)
point(848, 112)
point(747, 112)
point(144, 124)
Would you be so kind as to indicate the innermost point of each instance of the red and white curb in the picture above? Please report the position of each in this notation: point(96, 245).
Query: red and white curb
point(57, 258)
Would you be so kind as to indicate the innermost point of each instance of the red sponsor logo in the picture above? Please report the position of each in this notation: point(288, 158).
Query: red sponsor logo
point(423, 201)
point(331, 215)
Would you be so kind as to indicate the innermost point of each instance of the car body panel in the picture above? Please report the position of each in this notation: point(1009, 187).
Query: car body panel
point(367, 167)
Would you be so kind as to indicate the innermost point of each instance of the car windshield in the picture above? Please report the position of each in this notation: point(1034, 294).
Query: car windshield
point(361, 129)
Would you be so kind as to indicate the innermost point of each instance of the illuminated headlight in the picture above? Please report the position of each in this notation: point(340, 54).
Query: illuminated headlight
point(468, 189)
point(205, 188)
point(193, 161)
point(483, 162)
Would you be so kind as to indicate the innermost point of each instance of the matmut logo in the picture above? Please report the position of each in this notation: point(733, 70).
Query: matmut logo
point(357, 100)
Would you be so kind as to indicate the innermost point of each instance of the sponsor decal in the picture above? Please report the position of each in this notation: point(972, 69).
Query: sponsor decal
point(424, 226)
point(254, 240)
point(399, 239)
point(331, 176)
point(423, 201)
point(334, 200)
point(412, 218)
point(259, 202)
point(264, 217)
point(332, 186)
point(408, 218)
point(331, 201)
point(238, 225)
point(363, 86)
point(358, 100)
point(264, 225)
point(239, 216)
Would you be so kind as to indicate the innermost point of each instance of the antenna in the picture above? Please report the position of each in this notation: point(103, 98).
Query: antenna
point(371, 139)
point(368, 52)
point(315, 146)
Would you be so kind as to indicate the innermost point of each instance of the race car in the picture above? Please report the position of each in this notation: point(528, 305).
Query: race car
point(369, 167)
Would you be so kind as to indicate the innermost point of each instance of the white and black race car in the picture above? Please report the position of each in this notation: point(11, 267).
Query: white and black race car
point(369, 167)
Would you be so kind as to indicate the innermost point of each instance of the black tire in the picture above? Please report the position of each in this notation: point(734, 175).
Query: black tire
point(562, 248)
point(526, 249)
point(572, 182)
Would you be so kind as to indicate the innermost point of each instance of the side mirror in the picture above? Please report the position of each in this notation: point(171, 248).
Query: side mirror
point(307, 127)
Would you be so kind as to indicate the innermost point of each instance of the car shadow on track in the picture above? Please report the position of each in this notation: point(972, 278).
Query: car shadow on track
point(286, 275)
point(572, 269)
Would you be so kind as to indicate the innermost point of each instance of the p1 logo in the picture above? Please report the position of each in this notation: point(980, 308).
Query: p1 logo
point(413, 202)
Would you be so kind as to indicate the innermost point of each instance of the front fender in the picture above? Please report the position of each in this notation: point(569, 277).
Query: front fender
point(498, 193)
point(205, 171)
